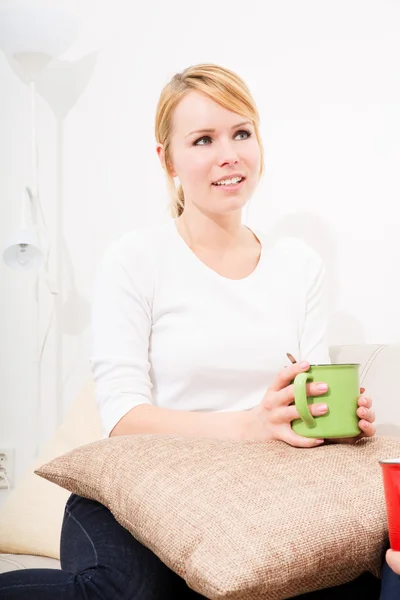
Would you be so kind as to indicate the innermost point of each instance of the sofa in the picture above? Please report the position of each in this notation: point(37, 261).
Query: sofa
point(30, 519)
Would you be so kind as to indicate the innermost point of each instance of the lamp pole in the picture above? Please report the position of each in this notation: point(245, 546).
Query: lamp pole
point(33, 200)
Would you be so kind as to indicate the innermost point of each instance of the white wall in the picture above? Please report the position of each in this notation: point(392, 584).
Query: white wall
point(326, 77)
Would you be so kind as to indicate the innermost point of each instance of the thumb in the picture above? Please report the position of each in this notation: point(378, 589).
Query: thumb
point(298, 441)
point(393, 560)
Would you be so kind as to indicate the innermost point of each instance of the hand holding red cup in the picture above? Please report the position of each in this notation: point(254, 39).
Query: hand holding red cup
point(393, 560)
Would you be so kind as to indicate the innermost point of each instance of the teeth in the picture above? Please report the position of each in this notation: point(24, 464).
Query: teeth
point(229, 181)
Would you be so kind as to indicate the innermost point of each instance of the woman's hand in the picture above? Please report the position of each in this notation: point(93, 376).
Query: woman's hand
point(366, 414)
point(271, 419)
point(366, 423)
point(393, 560)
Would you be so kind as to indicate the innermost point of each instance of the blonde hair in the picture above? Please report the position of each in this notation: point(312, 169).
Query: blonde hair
point(221, 85)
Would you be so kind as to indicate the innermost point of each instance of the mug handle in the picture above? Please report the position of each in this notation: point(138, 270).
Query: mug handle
point(300, 399)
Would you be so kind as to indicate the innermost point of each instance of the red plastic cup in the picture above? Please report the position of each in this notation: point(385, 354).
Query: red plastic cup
point(391, 484)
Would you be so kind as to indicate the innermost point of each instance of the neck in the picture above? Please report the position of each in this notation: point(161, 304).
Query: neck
point(214, 232)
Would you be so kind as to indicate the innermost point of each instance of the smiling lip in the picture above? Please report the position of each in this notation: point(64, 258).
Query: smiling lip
point(230, 176)
point(230, 188)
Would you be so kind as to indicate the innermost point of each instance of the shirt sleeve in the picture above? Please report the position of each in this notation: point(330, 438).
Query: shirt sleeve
point(313, 346)
point(121, 326)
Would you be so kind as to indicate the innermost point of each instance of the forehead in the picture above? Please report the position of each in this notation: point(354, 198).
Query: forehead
point(197, 111)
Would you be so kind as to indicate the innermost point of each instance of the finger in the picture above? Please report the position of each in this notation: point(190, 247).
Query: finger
point(365, 400)
point(366, 413)
point(298, 441)
point(367, 428)
point(290, 413)
point(286, 396)
point(286, 376)
point(393, 560)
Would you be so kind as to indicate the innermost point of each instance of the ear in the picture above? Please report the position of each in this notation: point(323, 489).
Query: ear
point(161, 155)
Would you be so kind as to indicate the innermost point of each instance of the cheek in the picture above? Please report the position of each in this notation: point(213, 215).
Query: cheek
point(195, 168)
point(253, 158)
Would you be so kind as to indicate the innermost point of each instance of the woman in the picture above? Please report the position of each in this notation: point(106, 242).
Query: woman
point(191, 323)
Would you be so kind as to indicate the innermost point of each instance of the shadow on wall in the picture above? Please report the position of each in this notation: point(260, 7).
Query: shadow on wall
point(343, 327)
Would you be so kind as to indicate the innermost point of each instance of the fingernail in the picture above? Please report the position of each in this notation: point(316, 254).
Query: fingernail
point(322, 386)
point(319, 442)
point(304, 364)
point(322, 409)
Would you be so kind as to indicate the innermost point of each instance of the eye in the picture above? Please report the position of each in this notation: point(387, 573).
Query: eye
point(205, 137)
point(244, 132)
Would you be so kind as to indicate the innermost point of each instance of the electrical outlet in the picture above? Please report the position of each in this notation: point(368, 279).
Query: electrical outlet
point(6, 466)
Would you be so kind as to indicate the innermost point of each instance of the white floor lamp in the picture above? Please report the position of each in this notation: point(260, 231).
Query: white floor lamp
point(31, 38)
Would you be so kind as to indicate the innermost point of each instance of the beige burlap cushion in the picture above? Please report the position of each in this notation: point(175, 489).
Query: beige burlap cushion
point(31, 516)
point(238, 519)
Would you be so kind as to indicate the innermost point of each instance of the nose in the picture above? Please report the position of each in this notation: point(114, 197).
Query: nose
point(227, 153)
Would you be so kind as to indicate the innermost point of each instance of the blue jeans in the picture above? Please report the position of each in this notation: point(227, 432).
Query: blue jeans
point(390, 589)
point(100, 560)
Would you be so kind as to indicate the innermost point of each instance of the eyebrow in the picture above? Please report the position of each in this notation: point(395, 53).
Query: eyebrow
point(213, 130)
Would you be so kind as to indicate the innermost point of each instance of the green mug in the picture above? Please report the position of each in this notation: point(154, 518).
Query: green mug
point(341, 420)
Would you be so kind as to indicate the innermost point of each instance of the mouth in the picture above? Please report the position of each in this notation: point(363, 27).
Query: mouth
point(229, 182)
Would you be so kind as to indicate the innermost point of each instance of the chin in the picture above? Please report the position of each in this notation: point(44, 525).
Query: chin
point(233, 204)
point(224, 206)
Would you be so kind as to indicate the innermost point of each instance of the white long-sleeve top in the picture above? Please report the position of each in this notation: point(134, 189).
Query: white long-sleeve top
point(170, 331)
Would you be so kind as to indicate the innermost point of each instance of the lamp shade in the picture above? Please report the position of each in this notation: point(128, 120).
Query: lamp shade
point(23, 251)
point(45, 30)
point(34, 36)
